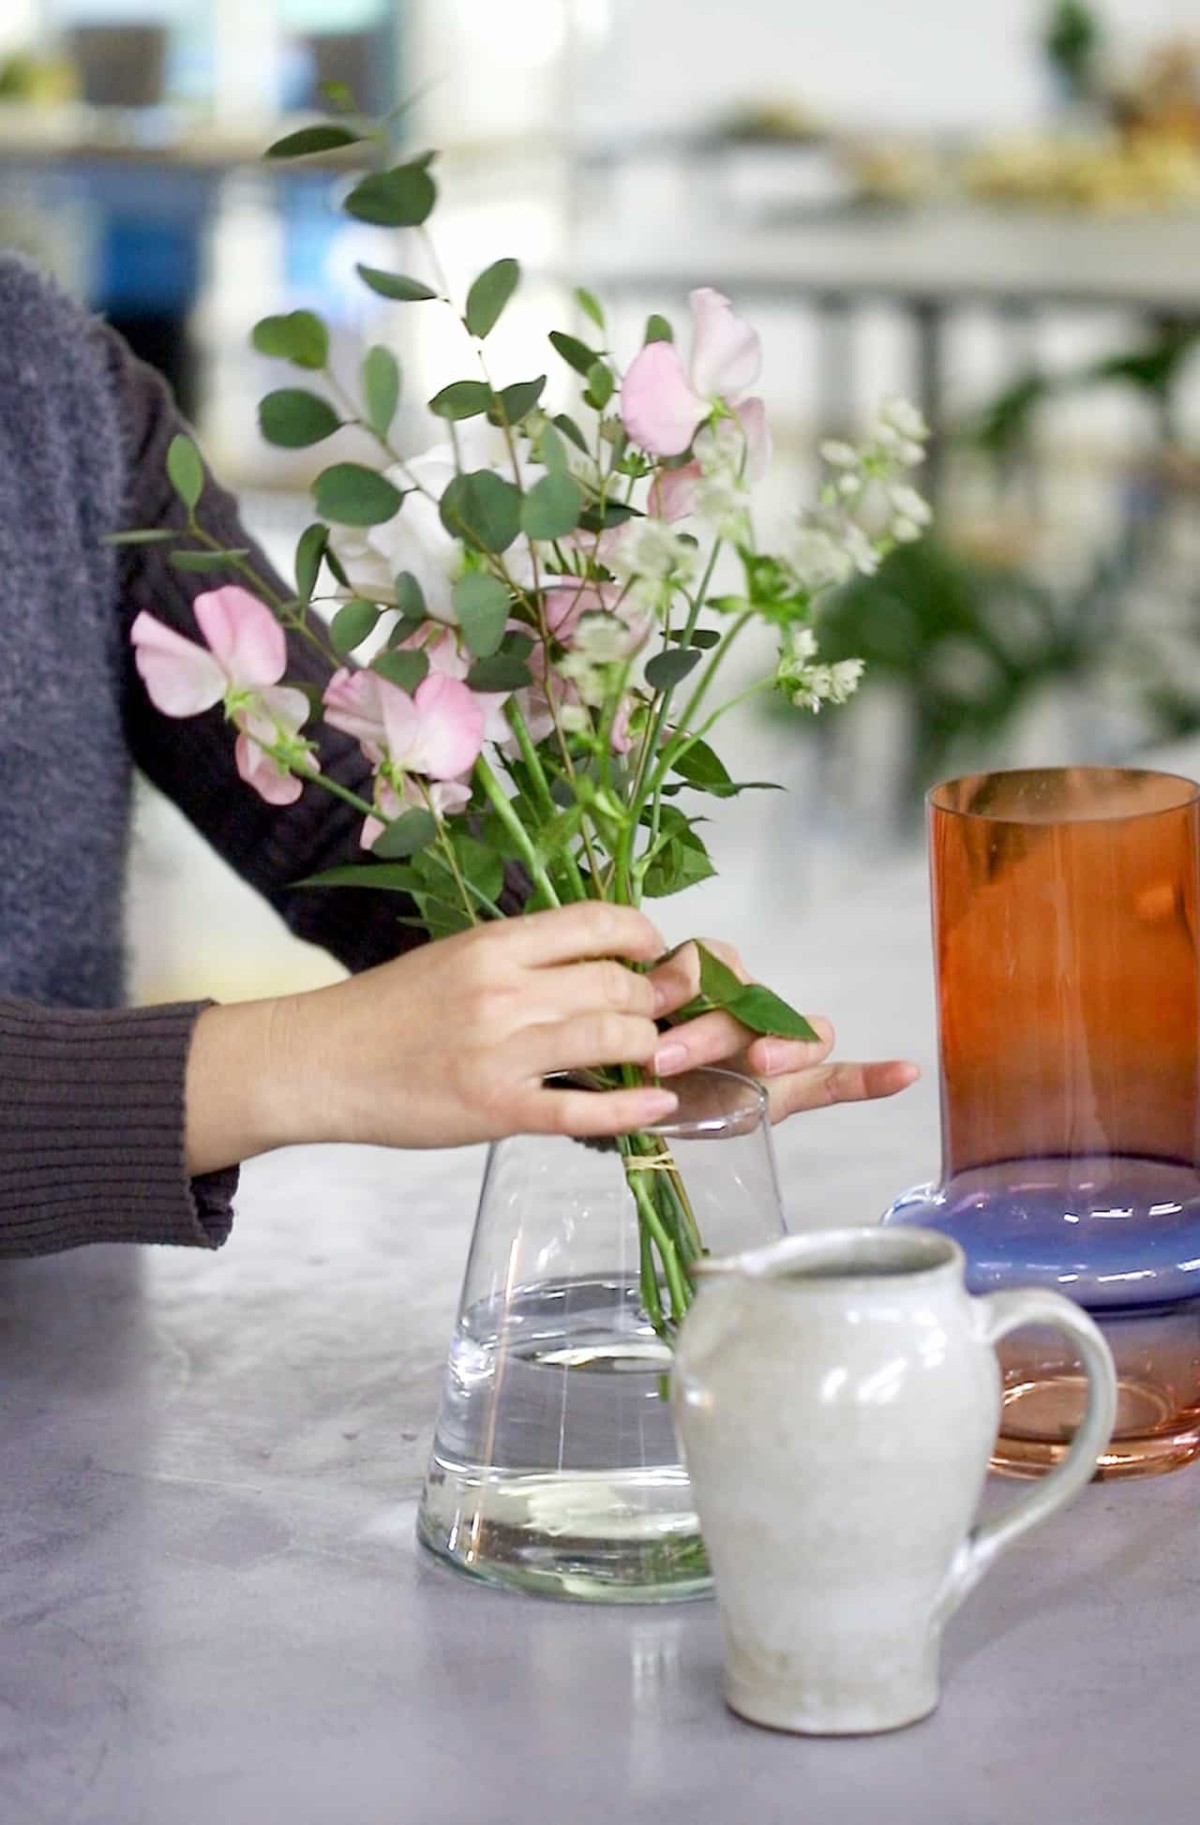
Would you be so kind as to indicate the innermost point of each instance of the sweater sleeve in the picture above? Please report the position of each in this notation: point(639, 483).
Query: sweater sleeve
point(192, 760)
point(92, 1123)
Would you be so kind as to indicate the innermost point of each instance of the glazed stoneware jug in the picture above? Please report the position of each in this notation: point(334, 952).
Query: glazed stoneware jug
point(837, 1397)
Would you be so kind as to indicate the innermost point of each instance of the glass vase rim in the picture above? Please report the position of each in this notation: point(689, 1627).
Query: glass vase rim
point(1189, 795)
point(676, 1127)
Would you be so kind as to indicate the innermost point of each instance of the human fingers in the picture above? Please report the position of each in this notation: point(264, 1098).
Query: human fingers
point(600, 1112)
point(580, 988)
point(825, 1085)
point(584, 1042)
point(589, 928)
point(677, 977)
point(718, 1038)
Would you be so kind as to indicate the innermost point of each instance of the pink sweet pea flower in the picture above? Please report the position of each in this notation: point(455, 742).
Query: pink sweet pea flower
point(443, 796)
point(663, 403)
point(241, 665)
point(673, 492)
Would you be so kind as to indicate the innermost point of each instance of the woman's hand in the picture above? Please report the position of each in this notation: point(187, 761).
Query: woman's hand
point(795, 1075)
point(446, 1045)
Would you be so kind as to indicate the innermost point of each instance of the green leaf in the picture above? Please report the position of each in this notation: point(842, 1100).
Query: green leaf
point(589, 304)
point(499, 672)
point(207, 560)
point(293, 418)
point(679, 864)
point(185, 470)
point(415, 830)
point(552, 507)
point(410, 597)
point(395, 285)
point(615, 513)
point(570, 429)
point(381, 388)
point(601, 385)
point(552, 450)
point(354, 495)
point(764, 1012)
point(351, 625)
point(480, 866)
point(512, 403)
point(326, 136)
point(400, 198)
point(666, 670)
point(482, 508)
point(406, 670)
point(700, 765)
point(462, 399)
point(658, 329)
point(391, 877)
point(482, 605)
point(703, 637)
point(576, 354)
point(299, 337)
point(151, 536)
point(335, 563)
point(489, 295)
point(718, 983)
point(310, 550)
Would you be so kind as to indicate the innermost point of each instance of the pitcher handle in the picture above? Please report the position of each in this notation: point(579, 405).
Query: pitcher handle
point(996, 1315)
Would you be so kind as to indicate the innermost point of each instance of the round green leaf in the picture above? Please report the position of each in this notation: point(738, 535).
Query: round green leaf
point(461, 399)
point(309, 552)
point(600, 385)
point(185, 469)
point(395, 286)
point(552, 507)
point(483, 509)
point(293, 418)
point(353, 495)
point(666, 670)
point(410, 597)
point(482, 605)
point(512, 403)
point(489, 295)
point(576, 354)
point(400, 198)
point(499, 672)
point(326, 136)
point(351, 625)
point(299, 337)
point(381, 388)
point(405, 669)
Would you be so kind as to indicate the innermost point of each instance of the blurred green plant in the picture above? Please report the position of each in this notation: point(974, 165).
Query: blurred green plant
point(1073, 39)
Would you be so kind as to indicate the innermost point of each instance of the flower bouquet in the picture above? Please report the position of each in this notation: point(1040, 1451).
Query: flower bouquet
point(528, 625)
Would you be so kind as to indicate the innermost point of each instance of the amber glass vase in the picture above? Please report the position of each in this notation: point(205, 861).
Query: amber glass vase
point(1068, 976)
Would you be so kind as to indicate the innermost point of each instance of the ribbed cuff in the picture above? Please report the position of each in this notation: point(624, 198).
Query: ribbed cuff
point(92, 1131)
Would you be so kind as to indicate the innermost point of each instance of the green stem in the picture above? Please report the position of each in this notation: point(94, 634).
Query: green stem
point(516, 830)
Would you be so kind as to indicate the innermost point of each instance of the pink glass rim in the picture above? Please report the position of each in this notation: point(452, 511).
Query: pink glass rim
point(1175, 793)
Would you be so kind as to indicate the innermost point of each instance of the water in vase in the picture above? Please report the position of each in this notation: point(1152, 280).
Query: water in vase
point(555, 1464)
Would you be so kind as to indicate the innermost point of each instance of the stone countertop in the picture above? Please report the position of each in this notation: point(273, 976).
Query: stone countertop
point(215, 1613)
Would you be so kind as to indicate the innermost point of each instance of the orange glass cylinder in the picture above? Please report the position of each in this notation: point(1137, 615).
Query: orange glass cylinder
point(1068, 975)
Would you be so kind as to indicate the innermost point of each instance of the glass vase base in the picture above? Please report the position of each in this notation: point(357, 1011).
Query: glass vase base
point(586, 1536)
point(1157, 1356)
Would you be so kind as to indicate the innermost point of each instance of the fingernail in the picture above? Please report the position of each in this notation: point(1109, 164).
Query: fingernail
point(769, 1055)
point(660, 1103)
point(670, 1058)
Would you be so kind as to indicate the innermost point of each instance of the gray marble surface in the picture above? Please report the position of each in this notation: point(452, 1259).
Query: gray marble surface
point(213, 1608)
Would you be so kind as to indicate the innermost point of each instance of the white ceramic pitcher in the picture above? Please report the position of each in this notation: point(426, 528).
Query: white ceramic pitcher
point(837, 1398)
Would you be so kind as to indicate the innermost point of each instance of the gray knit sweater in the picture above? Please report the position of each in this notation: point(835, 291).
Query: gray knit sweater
point(91, 1094)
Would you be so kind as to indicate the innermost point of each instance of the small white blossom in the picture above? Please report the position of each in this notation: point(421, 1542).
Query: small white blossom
point(907, 504)
point(849, 484)
point(839, 455)
point(604, 639)
point(804, 644)
point(822, 684)
point(859, 549)
point(902, 417)
point(652, 550)
point(905, 532)
point(818, 560)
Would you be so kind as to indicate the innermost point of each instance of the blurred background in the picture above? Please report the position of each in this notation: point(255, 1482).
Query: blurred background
point(993, 208)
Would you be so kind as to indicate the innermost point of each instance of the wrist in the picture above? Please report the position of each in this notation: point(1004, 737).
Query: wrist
point(242, 1096)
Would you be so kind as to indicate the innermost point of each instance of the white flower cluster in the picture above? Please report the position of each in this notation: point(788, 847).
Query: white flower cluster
point(808, 681)
point(600, 643)
point(867, 509)
point(722, 494)
point(652, 560)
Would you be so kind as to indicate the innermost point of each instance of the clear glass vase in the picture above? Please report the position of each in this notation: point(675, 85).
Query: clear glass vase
point(555, 1466)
